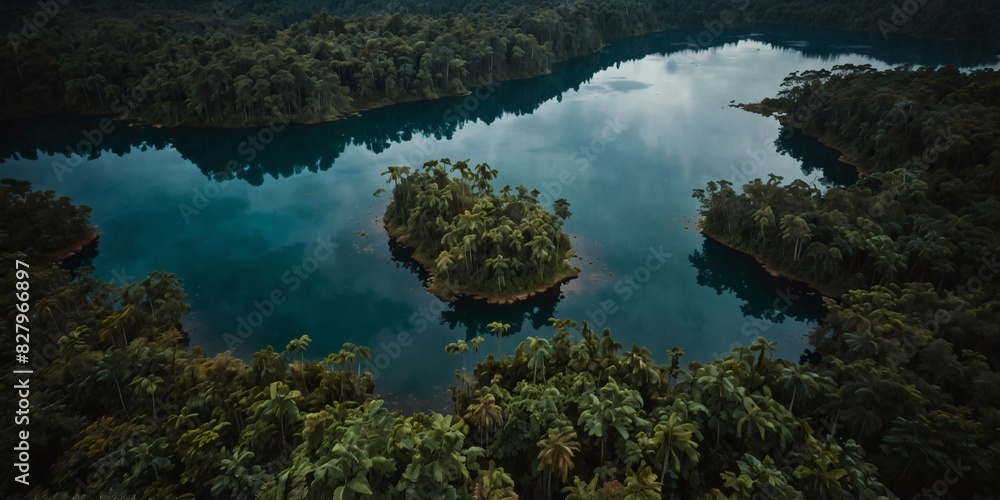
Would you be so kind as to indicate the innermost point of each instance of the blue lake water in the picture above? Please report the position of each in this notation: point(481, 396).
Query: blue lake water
point(625, 135)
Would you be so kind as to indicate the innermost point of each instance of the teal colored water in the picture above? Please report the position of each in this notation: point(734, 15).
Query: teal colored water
point(625, 135)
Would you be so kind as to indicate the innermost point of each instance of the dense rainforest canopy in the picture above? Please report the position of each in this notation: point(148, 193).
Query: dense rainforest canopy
point(903, 391)
point(499, 246)
point(122, 409)
point(901, 395)
point(265, 62)
point(46, 224)
point(914, 241)
point(928, 211)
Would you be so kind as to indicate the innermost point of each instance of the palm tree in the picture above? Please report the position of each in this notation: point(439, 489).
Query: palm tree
point(613, 408)
point(764, 217)
point(239, 479)
point(494, 484)
point(795, 228)
point(151, 455)
point(360, 352)
point(762, 346)
point(560, 207)
point(641, 367)
point(118, 320)
point(485, 413)
point(299, 346)
point(675, 354)
point(444, 262)
point(278, 403)
point(539, 349)
point(456, 348)
point(641, 484)
point(500, 265)
point(147, 385)
point(396, 174)
point(755, 418)
point(110, 367)
point(475, 345)
point(580, 490)
point(541, 251)
point(799, 379)
point(483, 175)
point(557, 452)
point(673, 440)
point(498, 329)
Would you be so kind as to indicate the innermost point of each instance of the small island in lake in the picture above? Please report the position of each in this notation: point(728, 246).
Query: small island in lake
point(499, 247)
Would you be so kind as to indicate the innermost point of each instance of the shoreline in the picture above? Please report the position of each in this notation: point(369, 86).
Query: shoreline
point(824, 291)
point(447, 294)
point(760, 109)
point(140, 121)
point(73, 248)
point(832, 144)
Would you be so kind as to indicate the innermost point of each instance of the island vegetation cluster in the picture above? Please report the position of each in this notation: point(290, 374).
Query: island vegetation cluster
point(496, 246)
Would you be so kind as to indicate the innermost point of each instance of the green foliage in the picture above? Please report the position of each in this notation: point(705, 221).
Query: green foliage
point(906, 384)
point(475, 241)
point(910, 250)
point(65, 225)
point(928, 210)
point(241, 64)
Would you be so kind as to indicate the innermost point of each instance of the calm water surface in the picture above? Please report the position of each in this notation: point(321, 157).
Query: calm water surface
point(624, 135)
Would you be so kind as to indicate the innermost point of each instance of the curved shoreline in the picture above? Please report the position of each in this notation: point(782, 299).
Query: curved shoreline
point(443, 292)
point(828, 141)
point(137, 120)
point(73, 248)
point(823, 290)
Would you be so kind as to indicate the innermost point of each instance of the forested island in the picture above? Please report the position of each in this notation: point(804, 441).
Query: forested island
point(903, 385)
point(124, 409)
point(244, 64)
point(500, 247)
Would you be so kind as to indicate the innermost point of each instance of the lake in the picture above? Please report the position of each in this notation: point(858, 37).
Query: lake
point(293, 244)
